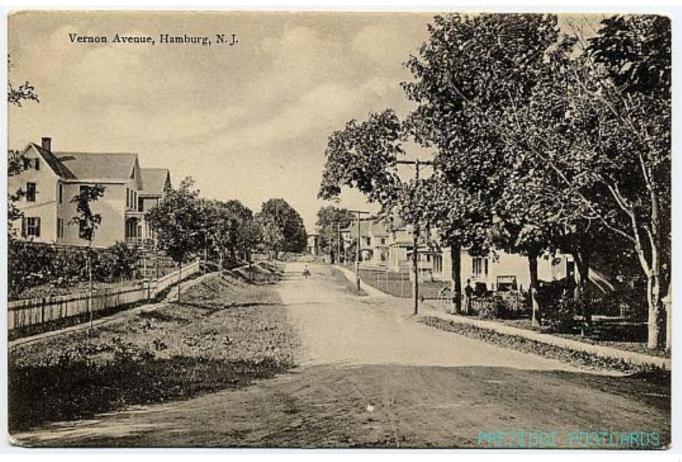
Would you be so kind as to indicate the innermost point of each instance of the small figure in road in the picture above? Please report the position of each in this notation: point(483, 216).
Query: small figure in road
point(306, 272)
point(468, 293)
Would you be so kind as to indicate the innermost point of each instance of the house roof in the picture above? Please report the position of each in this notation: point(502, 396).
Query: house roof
point(109, 165)
point(352, 228)
point(154, 180)
point(379, 229)
point(54, 163)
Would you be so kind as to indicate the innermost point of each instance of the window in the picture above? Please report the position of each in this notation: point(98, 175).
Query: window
point(60, 192)
point(60, 228)
point(31, 226)
point(140, 205)
point(479, 266)
point(127, 197)
point(33, 163)
point(383, 241)
point(437, 263)
point(30, 192)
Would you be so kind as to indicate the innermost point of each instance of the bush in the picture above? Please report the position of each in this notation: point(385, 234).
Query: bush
point(118, 262)
point(32, 264)
point(560, 317)
point(500, 305)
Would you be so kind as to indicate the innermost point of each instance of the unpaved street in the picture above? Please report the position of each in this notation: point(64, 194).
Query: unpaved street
point(369, 375)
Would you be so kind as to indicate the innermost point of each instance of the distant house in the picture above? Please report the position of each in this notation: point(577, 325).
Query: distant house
point(313, 244)
point(504, 271)
point(498, 271)
point(51, 179)
point(350, 234)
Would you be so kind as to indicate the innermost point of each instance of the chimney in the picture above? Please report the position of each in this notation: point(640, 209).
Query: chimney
point(47, 143)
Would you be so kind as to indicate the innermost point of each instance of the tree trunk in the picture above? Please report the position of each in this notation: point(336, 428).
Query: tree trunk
point(220, 263)
point(655, 280)
point(90, 285)
point(656, 318)
point(179, 279)
point(533, 289)
point(456, 273)
point(582, 289)
point(668, 320)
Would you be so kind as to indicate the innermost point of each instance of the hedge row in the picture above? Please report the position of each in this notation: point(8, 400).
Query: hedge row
point(32, 264)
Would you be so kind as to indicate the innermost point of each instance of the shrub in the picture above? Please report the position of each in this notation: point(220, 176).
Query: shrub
point(118, 262)
point(31, 264)
point(560, 317)
point(500, 305)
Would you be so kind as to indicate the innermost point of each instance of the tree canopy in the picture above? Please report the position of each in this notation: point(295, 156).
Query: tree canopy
point(282, 227)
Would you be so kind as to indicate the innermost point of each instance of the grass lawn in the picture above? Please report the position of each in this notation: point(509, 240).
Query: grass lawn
point(603, 338)
point(525, 345)
point(400, 284)
point(223, 334)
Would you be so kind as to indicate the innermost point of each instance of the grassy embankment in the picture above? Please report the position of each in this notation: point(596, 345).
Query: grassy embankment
point(225, 333)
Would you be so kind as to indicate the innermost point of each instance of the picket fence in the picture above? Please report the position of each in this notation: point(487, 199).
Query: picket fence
point(31, 311)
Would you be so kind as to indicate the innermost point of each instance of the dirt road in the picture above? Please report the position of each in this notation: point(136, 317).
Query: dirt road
point(371, 376)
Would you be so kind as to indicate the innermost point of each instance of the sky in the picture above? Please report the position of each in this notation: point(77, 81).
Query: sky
point(247, 122)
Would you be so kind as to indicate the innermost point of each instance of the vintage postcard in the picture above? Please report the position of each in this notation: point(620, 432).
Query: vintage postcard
point(339, 230)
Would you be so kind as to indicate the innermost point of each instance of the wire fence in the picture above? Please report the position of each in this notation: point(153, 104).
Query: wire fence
point(400, 283)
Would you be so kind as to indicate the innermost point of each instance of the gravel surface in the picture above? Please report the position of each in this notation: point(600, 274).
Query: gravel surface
point(369, 375)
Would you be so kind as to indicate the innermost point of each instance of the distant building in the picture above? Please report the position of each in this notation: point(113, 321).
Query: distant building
point(51, 179)
point(391, 247)
point(313, 244)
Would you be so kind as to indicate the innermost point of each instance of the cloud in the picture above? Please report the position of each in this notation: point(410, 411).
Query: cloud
point(248, 123)
point(387, 44)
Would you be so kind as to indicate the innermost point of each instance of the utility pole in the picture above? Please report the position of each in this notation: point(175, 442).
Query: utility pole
point(338, 242)
point(357, 249)
point(415, 234)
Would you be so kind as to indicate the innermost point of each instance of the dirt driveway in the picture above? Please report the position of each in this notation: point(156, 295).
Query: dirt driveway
point(370, 376)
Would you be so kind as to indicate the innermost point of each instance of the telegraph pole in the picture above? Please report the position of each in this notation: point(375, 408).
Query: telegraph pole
point(338, 242)
point(357, 249)
point(415, 235)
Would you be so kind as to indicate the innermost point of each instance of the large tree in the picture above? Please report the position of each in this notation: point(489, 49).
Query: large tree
point(363, 155)
point(282, 227)
point(619, 101)
point(504, 96)
point(179, 223)
point(229, 229)
point(468, 76)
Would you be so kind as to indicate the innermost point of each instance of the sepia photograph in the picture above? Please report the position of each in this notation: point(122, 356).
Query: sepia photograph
point(337, 229)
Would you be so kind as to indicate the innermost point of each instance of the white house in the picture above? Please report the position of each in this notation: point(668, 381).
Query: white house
point(51, 179)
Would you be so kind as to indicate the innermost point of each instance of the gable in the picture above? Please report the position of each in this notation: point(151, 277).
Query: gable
point(50, 162)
